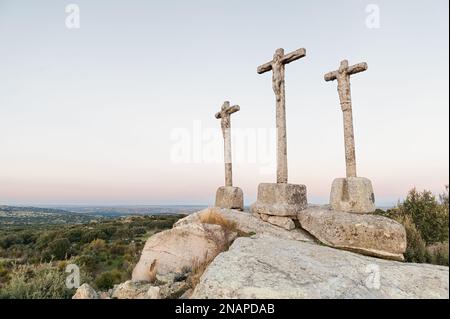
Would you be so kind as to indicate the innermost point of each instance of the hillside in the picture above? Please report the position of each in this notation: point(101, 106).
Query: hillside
point(15, 216)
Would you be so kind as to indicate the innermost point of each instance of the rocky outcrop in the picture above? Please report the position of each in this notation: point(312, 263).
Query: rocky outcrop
point(248, 224)
point(267, 261)
point(175, 251)
point(270, 267)
point(367, 234)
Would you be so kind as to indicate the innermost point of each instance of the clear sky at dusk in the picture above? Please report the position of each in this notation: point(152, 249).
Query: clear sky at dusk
point(101, 114)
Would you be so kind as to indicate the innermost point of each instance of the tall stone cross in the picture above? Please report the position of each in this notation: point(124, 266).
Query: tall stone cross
point(343, 79)
point(277, 66)
point(225, 115)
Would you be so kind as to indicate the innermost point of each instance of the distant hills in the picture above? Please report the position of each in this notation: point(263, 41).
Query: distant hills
point(115, 211)
point(14, 215)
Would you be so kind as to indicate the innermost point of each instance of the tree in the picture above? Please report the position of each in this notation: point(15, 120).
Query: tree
point(429, 215)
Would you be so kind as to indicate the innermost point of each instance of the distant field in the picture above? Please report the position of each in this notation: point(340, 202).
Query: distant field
point(132, 210)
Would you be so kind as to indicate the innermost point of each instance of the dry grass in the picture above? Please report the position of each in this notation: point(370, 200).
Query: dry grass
point(198, 268)
point(152, 272)
point(212, 217)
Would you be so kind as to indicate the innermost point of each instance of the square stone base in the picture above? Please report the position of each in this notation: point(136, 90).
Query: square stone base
point(352, 195)
point(280, 199)
point(230, 197)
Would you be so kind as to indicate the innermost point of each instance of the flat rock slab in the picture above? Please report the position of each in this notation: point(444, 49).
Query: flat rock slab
point(353, 195)
point(367, 234)
point(230, 197)
point(280, 199)
point(269, 267)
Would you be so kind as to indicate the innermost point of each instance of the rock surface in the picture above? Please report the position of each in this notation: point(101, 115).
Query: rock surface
point(230, 197)
point(353, 195)
point(280, 199)
point(180, 248)
point(136, 290)
point(283, 222)
point(247, 223)
point(85, 292)
point(367, 234)
point(269, 267)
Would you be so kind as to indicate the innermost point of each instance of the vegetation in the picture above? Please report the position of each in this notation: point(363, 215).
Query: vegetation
point(426, 220)
point(33, 257)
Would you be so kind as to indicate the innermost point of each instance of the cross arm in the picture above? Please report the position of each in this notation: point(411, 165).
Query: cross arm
point(295, 55)
point(264, 68)
point(230, 110)
point(331, 76)
point(360, 67)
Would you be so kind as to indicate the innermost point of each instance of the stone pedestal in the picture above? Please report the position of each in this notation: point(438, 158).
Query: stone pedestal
point(284, 200)
point(353, 195)
point(230, 197)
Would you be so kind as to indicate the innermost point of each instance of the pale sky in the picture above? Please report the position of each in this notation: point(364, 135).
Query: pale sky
point(93, 116)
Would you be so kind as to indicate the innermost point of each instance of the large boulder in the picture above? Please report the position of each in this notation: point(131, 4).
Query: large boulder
point(269, 267)
point(177, 250)
point(367, 234)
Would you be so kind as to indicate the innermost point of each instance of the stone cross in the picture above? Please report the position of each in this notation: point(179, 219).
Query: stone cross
point(225, 115)
point(277, 67)
point(343, 79)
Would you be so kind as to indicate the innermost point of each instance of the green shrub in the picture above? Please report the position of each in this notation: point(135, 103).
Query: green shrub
point(108, 279)
point(416, 248)
point(58, 249)
point(438, 254)
point(36, 282)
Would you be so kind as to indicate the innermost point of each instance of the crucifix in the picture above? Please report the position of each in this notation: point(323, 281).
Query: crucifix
point(342, 75)
point(225, 116)
point(277, 66)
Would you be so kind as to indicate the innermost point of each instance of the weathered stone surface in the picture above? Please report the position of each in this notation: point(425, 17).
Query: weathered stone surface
point(264, 217)
point(280, 199)
point(277, 66)
point(269, 267)
point(85, 292)
point(230, 197)
point(353, 195)
point(136, 290)
point(173, 290)
point(247, 223)
point(367, 234)
point(225, 115)
point(179, 248)
point(342, 75)
point(283, 222)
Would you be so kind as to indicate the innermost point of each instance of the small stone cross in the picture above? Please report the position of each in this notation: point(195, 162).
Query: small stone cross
point(225, 115)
